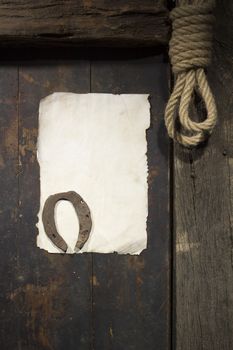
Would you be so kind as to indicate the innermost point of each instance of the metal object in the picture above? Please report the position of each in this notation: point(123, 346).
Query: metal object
point(82, 210)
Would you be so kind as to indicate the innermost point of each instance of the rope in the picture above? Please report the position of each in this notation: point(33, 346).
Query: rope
point(190, 53)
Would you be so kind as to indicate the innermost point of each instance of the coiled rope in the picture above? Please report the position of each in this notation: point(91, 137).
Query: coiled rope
point(190, 53)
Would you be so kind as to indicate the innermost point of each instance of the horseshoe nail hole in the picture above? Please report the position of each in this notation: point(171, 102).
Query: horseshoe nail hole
point(54, 235)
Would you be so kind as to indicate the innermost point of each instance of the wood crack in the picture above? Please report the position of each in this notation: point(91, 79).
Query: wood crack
point(41, 23)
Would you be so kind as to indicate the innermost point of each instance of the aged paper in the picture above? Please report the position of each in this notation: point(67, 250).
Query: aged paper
point(95, 144)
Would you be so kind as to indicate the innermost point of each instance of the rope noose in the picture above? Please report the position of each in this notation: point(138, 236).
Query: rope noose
point(190, 53)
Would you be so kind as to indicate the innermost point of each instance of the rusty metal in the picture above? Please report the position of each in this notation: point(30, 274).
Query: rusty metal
point(82, 210)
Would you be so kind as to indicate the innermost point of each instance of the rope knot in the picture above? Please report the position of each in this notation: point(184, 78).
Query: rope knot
point(191, 42)
point(190, 53)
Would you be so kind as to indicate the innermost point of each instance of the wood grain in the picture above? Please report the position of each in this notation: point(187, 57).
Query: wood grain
point(45, 298)
point(203, 203)
point(84, 23)
point(49, 301)
point(131, 294)
point(9, 171)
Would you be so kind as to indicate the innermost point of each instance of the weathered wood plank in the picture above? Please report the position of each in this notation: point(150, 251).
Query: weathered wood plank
point(8, 203)
point(87, 23)
point(131, 294)
point(53, 297)
point(204, 215)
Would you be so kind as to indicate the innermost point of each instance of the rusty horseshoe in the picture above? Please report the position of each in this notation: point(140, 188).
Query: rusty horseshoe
point(82, 210)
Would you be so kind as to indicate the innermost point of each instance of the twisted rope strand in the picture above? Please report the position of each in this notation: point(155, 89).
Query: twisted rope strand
point(190, 54)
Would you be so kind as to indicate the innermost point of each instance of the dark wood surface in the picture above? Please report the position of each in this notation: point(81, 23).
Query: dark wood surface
point(87, 22)
point(110, 301)
point(9, 211)
point(203, 203)
point(89, 301)
point(43, 297)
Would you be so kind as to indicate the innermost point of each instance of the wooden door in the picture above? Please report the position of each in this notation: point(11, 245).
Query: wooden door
point(89, 301)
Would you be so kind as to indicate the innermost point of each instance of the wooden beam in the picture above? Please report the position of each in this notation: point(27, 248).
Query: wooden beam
point(84, 23)
point(204, 214)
